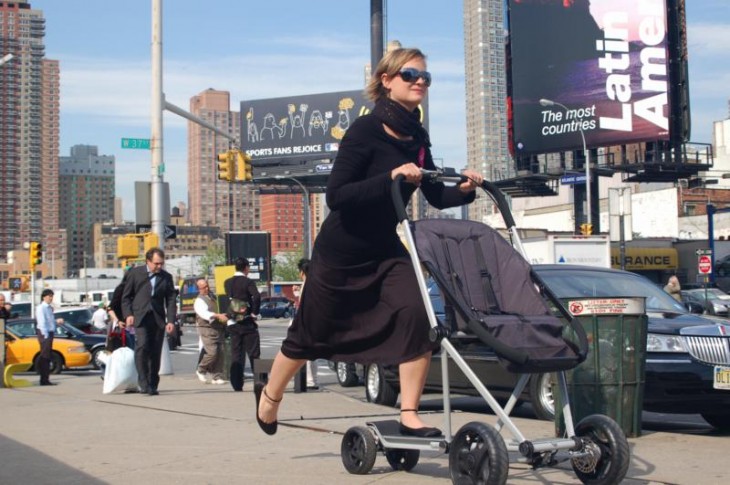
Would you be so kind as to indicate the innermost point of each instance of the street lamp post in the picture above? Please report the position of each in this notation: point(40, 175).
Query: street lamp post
point(307, 215)
point(586, 155)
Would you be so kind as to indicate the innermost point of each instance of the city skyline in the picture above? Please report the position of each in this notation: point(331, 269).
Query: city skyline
point(105, 83)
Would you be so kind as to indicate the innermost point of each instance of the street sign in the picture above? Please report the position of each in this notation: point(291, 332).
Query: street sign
point(170, 230)
point(703, 252)
point(572, 179)
point(704, 264)
point(138, 143)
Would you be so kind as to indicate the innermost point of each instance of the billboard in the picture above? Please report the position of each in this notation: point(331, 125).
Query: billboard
point(602, 66)
point(296, 128)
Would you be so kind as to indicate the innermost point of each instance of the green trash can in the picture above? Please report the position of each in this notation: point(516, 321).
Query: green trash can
point(611, 380)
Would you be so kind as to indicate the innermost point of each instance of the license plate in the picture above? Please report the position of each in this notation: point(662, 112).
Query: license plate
point(722, 377)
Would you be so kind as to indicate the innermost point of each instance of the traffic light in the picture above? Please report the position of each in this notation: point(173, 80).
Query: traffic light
point(151, 240)
point(226, 166)
point(35, 254)
point(586, 229)
point(244, 167)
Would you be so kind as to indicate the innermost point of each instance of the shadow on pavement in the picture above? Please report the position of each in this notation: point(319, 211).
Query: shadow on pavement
point(44, 469)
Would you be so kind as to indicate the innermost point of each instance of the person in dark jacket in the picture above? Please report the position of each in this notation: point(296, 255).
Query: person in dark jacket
point(244, 302)
point(148, 304)
point(361, 302)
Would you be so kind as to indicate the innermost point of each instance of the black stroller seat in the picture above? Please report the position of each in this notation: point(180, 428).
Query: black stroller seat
point(494, 295)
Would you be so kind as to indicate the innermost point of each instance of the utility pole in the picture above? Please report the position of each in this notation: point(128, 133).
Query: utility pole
point(157, 203)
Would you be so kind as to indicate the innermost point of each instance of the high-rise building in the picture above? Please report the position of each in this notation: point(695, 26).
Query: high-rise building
point(87, 195)
point(486, 95)
point(214, 202)
point(29, 132)
point(282, 215)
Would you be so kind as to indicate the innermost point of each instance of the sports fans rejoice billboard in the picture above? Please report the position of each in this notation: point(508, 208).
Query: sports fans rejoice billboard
point(297, 128)
point(606, 61)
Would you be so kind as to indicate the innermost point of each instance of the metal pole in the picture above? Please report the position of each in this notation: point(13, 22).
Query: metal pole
point(157, 203)
point(307, 216)
point(586, 155)
point(376, 33)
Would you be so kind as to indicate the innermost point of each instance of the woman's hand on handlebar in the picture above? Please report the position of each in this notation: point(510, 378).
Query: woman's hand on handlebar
point(410, 172)
point(474, 180)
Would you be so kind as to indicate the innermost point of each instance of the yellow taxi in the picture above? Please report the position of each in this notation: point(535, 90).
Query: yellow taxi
point(66, 353)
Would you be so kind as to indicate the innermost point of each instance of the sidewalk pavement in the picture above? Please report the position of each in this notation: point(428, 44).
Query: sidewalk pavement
point(203, 434)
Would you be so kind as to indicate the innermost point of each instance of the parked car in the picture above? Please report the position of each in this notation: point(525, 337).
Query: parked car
point(276, 309)
point(687, 360)
point(94, 343)
point(79, 317)
point(65, 353)
point(20, 309)
point(713, 301)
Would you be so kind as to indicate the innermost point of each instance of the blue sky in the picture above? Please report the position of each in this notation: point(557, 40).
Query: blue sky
point(259, 49)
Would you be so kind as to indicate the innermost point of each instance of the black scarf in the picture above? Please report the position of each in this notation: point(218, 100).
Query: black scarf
point(402, 121)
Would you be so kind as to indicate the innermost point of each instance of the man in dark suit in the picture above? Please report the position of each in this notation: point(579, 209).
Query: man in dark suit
point(148, 304)
point(245, 331)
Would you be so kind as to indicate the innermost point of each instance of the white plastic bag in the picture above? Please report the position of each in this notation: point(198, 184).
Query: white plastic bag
point(121, 372)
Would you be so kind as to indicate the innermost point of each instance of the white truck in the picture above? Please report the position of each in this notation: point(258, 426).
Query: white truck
point(584, 250)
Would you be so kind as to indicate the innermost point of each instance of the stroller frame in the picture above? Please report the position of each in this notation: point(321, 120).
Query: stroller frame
point(360, 444)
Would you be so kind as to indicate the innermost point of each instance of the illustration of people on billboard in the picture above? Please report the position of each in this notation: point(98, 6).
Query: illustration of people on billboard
point(600, 67)
point(306, 127)
point(297, 120)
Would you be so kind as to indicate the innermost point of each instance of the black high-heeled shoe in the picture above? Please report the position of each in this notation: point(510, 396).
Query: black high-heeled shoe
point(268, 428)
point(424, 432)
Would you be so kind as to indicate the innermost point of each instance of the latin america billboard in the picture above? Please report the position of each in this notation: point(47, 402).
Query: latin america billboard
point(597, 69)
point(295, 128)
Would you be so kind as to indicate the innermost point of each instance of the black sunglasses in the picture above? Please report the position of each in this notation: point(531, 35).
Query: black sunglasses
point(411, 75)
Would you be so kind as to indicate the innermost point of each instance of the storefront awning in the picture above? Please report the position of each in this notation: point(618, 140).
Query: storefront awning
point(646, 259)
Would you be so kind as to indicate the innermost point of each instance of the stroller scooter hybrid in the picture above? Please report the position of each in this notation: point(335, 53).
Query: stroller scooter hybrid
point(499, 302)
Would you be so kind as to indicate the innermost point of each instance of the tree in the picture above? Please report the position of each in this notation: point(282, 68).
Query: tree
point(285, 266)
point(215, 255)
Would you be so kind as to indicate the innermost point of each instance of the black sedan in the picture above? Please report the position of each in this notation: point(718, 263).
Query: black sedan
point(94, 343)
point(687, 356)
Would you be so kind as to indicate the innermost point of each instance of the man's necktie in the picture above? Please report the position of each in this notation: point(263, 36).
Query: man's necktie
point(153, 280)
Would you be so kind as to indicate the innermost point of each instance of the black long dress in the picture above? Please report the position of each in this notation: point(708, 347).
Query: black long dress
point(361, 302)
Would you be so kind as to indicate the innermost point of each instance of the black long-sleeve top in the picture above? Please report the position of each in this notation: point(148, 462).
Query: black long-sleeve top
point(361, 226)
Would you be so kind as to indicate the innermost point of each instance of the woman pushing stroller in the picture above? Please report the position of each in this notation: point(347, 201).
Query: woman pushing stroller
point(361, 302)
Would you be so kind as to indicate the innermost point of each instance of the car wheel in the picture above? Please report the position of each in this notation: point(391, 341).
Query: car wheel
point(377, 389)
point(95, 361)
point(719, 421)
point(56, 363)
point(346, 374)
point(542, 397)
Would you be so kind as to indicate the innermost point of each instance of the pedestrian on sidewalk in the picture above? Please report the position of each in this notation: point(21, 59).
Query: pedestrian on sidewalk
point(362, 303)
point(45, 328)
point(212, 331)
point(244, 302)
point(148, 301)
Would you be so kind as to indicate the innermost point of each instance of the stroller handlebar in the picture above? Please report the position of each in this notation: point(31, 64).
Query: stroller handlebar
point(448, 174)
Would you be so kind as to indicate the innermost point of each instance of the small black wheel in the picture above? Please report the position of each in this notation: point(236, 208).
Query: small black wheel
point(542, 397)
point(478, 455)
point(606, 451)
point(403, 460)
point(346, 374)
point(377, 388)
point(358, 450)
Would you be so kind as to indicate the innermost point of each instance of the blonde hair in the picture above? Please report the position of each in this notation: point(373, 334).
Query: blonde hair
point(390, 64)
